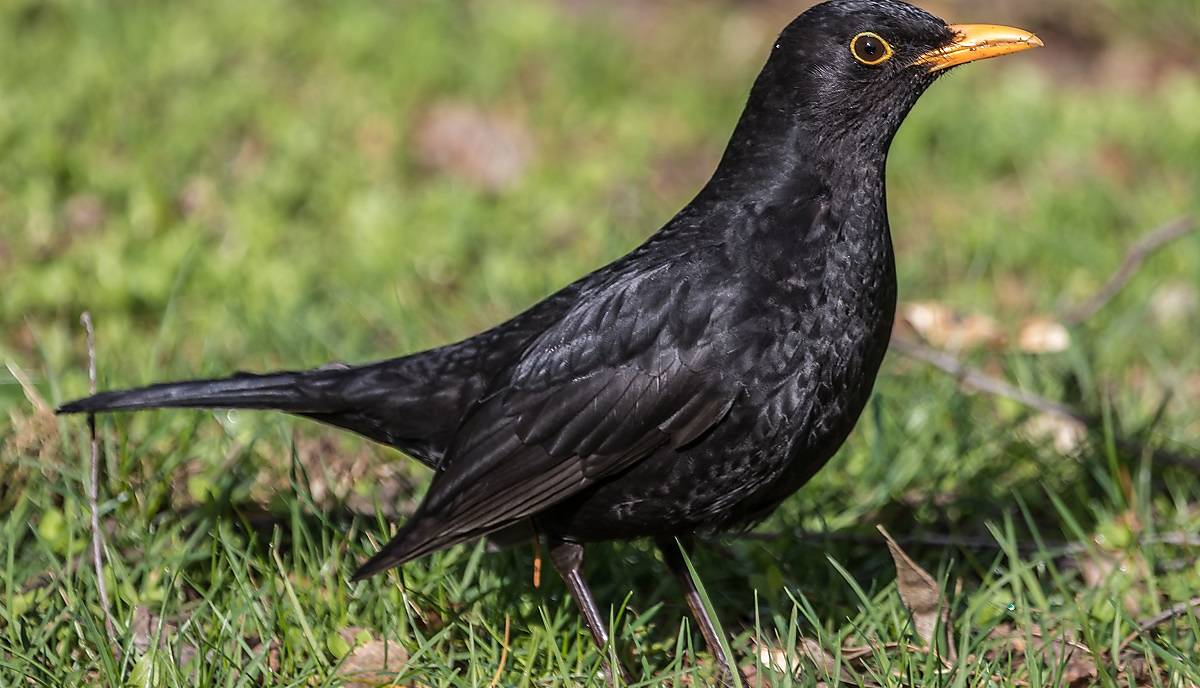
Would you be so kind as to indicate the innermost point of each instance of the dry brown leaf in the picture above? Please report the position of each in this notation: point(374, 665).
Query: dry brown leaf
point(776, 658)
point(1076, 660)
point(945, 328)
point(147, 625)
point(818, 656)
point(144, 626)
point(1080, 668)
point(1065, 434)
point(749, 672)
point(922, 596)
point(486, 149)
point(373, 663)
point(1042, 335)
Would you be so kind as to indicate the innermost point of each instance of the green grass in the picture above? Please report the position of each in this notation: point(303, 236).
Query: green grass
point(230, 185)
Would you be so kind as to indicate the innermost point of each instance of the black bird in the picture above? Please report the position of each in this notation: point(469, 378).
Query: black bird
point(693, 384)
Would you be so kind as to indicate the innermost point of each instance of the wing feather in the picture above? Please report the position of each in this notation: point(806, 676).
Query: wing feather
point(634, 367)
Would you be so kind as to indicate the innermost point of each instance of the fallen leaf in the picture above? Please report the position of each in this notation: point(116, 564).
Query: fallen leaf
point(945, 328)
point(923, 598)
point(818, 656)
point(749, 672)
point(1065, 434)
point(1043, 336)
point(370, 662)
point(486, 149)
point(146, 626)
point(776, 659)
point(1078, 665)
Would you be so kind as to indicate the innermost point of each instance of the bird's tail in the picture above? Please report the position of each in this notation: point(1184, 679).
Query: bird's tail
point(303, 392)
point(401, 402)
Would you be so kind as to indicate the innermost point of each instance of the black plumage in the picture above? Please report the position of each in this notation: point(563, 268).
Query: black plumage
point(693, 384)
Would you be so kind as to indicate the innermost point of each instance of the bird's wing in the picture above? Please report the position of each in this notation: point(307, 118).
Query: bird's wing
point(634, 366)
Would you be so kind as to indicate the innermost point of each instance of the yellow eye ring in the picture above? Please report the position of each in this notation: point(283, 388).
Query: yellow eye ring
point(870, 49)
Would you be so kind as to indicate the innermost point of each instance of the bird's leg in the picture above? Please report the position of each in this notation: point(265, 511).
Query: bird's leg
point(568, 560)
point(675, 562)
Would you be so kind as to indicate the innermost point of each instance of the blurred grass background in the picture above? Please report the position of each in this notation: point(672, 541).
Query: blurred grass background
point(230, 185)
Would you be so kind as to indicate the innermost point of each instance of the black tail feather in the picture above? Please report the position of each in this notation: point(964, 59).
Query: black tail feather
point(402, 403)
point(310, 392)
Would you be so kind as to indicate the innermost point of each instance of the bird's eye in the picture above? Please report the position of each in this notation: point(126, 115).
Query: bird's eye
point(870, 49)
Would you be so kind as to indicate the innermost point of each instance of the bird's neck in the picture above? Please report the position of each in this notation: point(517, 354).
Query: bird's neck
point(804, 199)
point(767, 169)
point(772, 152)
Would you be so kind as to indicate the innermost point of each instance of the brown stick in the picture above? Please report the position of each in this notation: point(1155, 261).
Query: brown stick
point(1138, 253)
point(1153, 622)
point(94, 488)
point(982, 382)
point(978, 380)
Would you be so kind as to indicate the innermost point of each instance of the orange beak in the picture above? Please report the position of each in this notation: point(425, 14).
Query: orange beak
point(979, 42)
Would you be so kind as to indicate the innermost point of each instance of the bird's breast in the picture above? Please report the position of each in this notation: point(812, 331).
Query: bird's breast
point(822, 367)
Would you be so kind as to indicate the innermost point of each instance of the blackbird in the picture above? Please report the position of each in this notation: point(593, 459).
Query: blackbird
point(693, 384)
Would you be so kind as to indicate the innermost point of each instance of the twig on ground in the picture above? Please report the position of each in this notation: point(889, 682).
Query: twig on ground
point(1157, 620)
point(1138, 253)
point(978, 380)
point(981, 381)
point(94, 489)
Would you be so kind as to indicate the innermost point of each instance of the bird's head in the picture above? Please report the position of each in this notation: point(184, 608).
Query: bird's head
point(850, 70)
